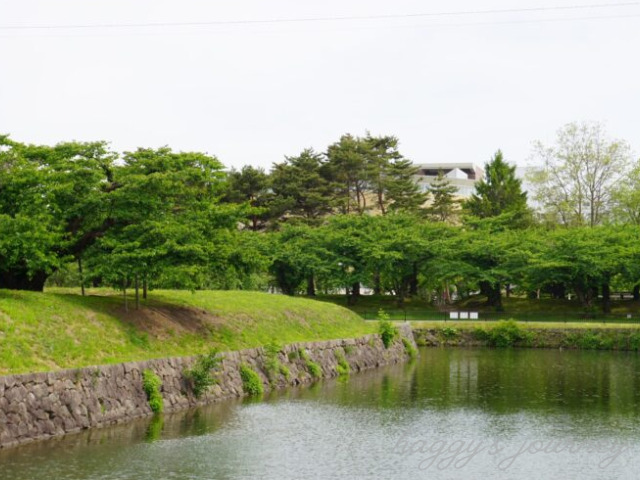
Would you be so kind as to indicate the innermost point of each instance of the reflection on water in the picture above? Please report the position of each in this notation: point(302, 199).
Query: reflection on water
point(454, 413)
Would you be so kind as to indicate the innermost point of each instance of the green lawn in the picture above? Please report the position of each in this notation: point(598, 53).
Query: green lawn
point(60, 329)
point(518, 308)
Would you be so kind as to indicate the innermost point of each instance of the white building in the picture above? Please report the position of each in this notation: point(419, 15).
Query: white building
point(462, 175)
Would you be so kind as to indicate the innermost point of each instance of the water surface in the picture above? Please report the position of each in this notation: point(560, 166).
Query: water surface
point(452, 414)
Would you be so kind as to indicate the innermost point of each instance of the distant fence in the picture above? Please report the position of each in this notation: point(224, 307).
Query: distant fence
point(475, 316)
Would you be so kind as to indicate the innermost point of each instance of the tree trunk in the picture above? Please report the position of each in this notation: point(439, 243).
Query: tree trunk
point(124, 293)
point(381, 200)
point(377, 285)
point(137, 293)
point(20, 280)
point(355, 289)
point(413, 282)
point(311, 288)
point(606, 298)
point(81, 275)
point(636, 292)
point(493, 293)
point(507, 290)
point(446, 293)
point(144, 287)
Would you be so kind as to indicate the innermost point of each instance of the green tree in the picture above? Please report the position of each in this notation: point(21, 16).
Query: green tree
point(251, 185)
point(167, 223)
point(402, 190)
point(626, 197)
point(576, 176)
point(296, 256)
point(396, 249)
point(347, 161)
point(444, 205)
point(499, 196)
point(52, 206)
point(301, 186)
point(583, 259)
point(344, 237)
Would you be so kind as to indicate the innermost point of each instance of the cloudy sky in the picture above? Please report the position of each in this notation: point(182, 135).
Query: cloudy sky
point(214, 77)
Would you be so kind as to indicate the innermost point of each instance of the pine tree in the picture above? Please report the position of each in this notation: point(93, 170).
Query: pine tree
point(499, 195)
point(250, 185)
point(444, 206)
point(301, 187)
point(402, 190)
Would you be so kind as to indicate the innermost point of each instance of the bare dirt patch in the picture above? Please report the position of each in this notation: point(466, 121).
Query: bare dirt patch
point(164, 321)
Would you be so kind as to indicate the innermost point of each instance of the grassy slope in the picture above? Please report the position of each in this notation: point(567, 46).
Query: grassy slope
point(57, 329)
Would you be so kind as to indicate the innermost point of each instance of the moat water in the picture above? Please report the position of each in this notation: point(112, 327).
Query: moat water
point(451, 414)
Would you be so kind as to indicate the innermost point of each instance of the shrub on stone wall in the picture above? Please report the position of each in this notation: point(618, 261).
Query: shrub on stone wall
point(251, 382)
point(343, 367)
point(386, 329)
point(151, 384)
point(314, 369)
point(200, 375)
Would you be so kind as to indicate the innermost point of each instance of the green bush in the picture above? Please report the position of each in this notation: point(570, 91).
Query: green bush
point(251, 382)
point(409, 349)
point(313, 367)
point(151, 384)
point(200, 374)
point(586, 341)
point(284, 371)
point(449, 332)
point(386, 329)
point(293, 355)
point(506, 334)
point(480, 334)
point(343, 368)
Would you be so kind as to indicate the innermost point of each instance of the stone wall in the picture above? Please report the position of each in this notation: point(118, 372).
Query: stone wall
point(41, 405)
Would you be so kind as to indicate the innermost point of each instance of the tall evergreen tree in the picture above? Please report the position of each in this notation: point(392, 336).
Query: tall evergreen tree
point(250, 185)
point(372, 174)
point(380, 153)
point(499, 196)
point(402, 190)
point(302, 187)
point(347, 160)
point(444, 205)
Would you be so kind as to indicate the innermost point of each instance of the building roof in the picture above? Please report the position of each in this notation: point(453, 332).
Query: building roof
point(470, 169)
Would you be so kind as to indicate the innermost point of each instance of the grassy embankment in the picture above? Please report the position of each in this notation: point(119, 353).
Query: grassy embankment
point(518, 334)
point(58, 329)
point(544, 313)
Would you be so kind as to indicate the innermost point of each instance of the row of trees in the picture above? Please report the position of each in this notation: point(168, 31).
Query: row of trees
point(146, 214)
point(152, 218)
point(585, 178)
point(356, 175)
point(406, 256)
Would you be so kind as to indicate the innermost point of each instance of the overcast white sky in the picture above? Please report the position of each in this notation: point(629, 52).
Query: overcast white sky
point(452, 88)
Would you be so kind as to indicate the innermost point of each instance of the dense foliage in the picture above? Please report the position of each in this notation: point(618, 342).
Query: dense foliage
point(339, 221)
